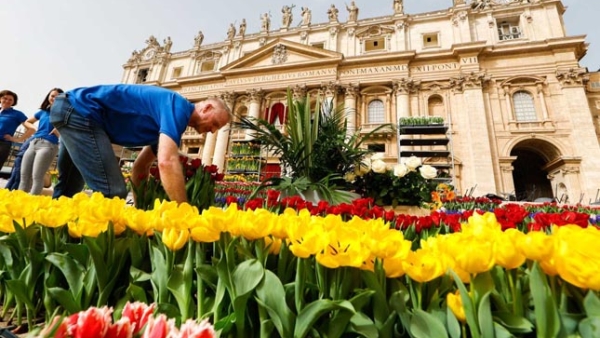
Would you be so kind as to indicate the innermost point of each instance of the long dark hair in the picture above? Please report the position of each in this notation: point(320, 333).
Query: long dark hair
point(46, 104)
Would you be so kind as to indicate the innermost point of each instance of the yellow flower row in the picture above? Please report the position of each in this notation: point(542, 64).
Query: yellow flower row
point(570, 251)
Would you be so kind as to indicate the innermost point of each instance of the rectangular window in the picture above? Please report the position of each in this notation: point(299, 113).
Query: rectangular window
point(142, 75)
point(595, 85)
point(318, 45)
point(375, 45)
point(377, 147)
point(193, 150)
point(207, 66)
point(431, 40)
point(509, 30)
point(176, 72)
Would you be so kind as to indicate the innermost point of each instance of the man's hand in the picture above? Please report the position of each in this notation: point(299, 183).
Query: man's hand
point(141, 166)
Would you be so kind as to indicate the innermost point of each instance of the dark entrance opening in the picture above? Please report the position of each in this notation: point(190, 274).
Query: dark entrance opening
point(531, 181)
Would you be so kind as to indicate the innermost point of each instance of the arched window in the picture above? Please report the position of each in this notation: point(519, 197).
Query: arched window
point(524, 107)
point(376, 112)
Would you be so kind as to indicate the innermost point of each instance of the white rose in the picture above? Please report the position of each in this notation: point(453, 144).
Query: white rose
point(377, 156)
point(413, 163)
point(400, 170)
point(379, 166)
point(428, 172)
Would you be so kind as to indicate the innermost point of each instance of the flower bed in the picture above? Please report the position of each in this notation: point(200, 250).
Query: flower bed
point(295, 274)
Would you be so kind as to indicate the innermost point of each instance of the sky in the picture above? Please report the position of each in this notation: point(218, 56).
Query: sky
point(75, 43)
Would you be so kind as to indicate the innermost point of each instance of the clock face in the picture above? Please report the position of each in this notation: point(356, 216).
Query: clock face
point(149, 54)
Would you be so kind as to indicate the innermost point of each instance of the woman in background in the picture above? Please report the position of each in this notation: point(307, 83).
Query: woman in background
point(10, 119)
point(42, 148)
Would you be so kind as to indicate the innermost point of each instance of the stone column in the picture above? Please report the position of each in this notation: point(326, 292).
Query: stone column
point(255, 98)
point(402, 89)
point(299, 92)
point(223, 134)
point(351, 93)
point(210, 140)
point(477, 161)
point(583, 135)
point(540, 90)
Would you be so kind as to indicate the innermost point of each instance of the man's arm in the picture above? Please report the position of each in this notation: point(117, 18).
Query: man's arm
point(141, 165)
point(171, 172)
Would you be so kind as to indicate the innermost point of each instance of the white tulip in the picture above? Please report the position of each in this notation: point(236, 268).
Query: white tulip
point(377, 156)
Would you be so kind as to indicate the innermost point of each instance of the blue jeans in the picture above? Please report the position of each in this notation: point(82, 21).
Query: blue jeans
point(85, 154)
point(15, 174)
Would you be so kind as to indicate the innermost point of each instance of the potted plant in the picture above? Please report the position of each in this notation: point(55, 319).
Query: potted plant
point(315, 149)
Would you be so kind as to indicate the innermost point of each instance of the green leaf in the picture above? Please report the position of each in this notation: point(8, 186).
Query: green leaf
point(513, 323)
point(65, 299)
point(19, 289)
point(314, 310)
point(452, 323)
point(425, 325)
point(246, 276)
point(468, 306)
point(71, 270)
point(137, 293)
point(545, 310)
point(501, 332)
point(484, 315)
point(590, 327)
point(363, 325)
point(591, 304)
point(271, 295)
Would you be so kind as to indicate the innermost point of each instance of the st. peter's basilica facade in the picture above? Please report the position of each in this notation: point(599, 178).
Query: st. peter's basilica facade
point(523, 115)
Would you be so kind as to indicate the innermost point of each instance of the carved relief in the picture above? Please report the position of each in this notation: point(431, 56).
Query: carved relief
point(303, 35)
point(351, 31)
point(458, 17)
point(351, 90)
point(406, 86)
point(262, 41)
point(468, 81)
point(279, 55)
point(333, 31)
point(331, 88)
point(570, 170)
point(255, 95)
point(572, 77)
point(228, 98)
point(299, 92)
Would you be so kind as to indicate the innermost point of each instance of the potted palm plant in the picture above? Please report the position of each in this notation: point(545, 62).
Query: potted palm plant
point(315, 149)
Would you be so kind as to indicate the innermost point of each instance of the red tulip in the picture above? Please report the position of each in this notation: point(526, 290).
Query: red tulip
point(138, 314)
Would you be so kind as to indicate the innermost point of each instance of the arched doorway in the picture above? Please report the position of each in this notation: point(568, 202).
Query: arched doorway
point(530, 174)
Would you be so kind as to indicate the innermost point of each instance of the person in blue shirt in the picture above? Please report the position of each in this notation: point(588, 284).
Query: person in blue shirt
point(10, 119)
point(15, 174)
point(91, 119)
point(42, 149)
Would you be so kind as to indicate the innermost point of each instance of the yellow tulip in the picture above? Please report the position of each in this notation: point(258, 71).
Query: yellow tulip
point(576, 255)
point(140, 221)
point(455, 304)
point(204, 231)
point(470, 253)
point(536, 246)
point(344, 248)
point(423, 265)
point(274, 244)
point(175, 239)
point(507, 254)
point(6, 224)
point(255, 224)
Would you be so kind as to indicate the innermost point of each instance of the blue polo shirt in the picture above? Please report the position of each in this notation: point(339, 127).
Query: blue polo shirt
point(134, 115)
point(10, 119)
point(44, 127)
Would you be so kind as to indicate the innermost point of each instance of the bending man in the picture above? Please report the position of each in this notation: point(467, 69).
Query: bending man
point(91, 119)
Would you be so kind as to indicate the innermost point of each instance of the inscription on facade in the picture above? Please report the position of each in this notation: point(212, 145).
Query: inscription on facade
point(200, 88)
point(282, 76)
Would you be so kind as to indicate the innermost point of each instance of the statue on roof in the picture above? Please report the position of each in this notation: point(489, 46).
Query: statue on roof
point(332, 13)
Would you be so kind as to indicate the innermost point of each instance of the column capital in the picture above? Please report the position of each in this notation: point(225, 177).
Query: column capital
point(472, 80)
point(255, 95)
point(406, 85)
point(299, 92)
point(572, 77)
point(228, 98)
point(351, 90)
point(330, 88)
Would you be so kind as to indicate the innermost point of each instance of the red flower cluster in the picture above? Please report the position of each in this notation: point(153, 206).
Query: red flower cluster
point(543, 221)
point(137, 320)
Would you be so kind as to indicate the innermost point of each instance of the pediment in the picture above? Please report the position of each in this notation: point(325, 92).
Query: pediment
point(374, 31)
point(280, 54)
